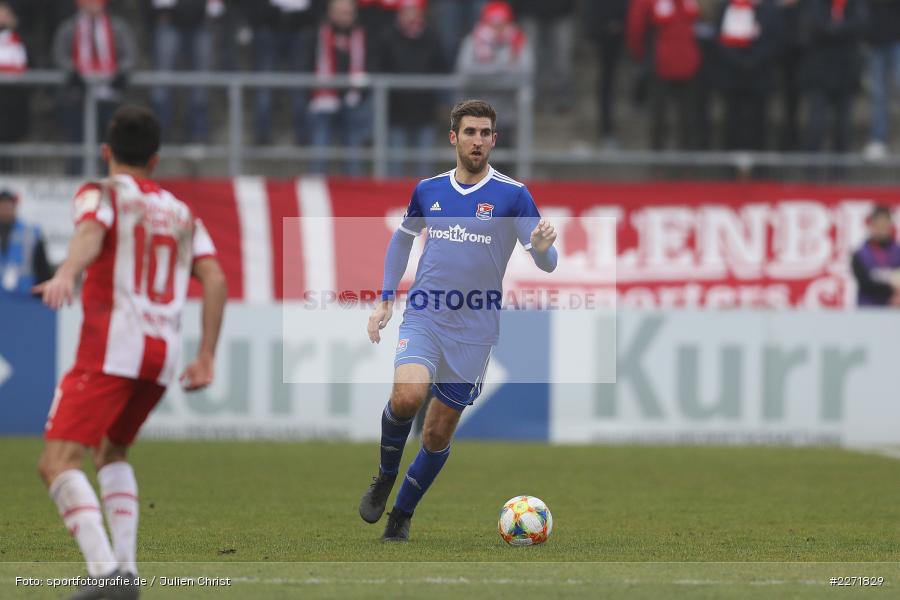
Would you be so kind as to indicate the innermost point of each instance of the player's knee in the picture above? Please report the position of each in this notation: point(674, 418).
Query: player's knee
point(45, 469)
point(406, 400)
point(435, 438)
point(51, 465)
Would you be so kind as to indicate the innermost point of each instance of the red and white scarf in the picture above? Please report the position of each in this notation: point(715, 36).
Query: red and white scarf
point(94, 47)
point(739, 26)
point(325, 99)
point(13, 58)
point(666, 10)
point(487, 40)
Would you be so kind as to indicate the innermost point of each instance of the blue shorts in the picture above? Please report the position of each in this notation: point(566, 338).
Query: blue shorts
point(457, 369)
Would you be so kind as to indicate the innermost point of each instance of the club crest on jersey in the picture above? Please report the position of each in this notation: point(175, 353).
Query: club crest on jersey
point(484, 211)
point(401, 345)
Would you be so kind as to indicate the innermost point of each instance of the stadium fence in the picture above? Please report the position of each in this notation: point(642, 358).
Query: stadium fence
point(526, 158)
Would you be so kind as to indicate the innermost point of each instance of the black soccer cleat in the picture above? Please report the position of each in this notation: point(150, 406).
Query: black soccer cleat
point(123, 590)
point(397, 528)
point(87, 592)
point(114, 587)
point(371, 507)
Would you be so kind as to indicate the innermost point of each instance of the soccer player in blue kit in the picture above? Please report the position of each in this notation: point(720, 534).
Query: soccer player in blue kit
point(472, 217)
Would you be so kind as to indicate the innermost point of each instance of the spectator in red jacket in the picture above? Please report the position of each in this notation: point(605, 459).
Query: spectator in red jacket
point(661, 32)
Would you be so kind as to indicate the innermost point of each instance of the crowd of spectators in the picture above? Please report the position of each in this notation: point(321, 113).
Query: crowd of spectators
point(808, 58)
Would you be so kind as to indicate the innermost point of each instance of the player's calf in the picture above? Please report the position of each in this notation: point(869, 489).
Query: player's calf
point(119, 495)
point(440, 425)
point(394, 432)
point(80, 511)
point(411, 384)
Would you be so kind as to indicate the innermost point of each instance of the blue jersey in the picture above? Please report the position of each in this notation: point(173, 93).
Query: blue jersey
point(471, 233)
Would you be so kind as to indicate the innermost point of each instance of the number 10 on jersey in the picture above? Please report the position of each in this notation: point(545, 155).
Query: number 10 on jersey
point(154, 265)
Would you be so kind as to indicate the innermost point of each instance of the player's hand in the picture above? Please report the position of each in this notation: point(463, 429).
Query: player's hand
point(198, 374)
point(379, 318)
point(57, 291)
point(894, 279)
point(543, 236)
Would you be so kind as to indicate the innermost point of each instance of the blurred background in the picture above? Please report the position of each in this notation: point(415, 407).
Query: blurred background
point(712, 89)
point(732, 161)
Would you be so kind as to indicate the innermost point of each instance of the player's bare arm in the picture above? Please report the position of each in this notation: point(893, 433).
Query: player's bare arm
point(83, 250)
point(200, 372)
point(379, 319)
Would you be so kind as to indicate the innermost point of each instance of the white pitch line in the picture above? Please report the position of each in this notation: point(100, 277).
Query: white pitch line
point(753, 582)
point(886, 451)
point(422, 580)
point(504, 581)
point(465, 581)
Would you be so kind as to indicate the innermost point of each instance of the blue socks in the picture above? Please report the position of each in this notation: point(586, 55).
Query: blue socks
point(419, 478)
point(394, 432)
point(423, 469)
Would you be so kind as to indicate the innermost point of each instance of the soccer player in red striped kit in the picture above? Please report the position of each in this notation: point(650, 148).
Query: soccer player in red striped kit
point(138, 247)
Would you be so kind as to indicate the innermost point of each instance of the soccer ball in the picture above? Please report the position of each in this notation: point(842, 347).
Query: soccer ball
point(525, 521)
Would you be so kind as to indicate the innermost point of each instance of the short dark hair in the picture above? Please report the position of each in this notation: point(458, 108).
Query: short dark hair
point(8, 195)
point(133, 135)
point(880, 210)
point(472, 108)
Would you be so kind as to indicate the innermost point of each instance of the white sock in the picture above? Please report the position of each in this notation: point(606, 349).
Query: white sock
point(118, 488)
point(80, 511)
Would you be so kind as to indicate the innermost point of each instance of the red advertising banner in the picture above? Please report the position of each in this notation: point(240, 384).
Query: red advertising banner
point(676, 245)
point(704, 245)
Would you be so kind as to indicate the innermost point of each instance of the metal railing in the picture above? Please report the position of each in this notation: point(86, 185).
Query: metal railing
point(235, 84)
point(527, 157)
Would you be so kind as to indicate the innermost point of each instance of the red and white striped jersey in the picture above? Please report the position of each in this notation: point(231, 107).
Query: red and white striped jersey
point(134, 292)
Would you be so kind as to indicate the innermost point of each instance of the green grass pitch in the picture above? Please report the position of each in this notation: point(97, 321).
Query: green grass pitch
point(629, 522)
